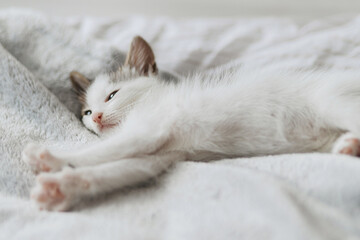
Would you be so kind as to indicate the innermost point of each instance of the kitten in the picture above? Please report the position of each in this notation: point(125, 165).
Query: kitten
point(148, 124)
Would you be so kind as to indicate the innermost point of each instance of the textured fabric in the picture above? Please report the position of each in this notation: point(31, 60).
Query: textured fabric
point(299, 196)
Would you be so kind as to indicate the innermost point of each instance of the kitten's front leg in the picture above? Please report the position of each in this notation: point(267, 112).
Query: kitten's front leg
point(125, 145)
point(62, 190)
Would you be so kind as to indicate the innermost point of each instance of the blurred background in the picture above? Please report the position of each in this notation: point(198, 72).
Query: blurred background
point(189, 8)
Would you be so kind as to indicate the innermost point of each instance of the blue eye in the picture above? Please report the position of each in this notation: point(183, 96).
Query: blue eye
point(87, 112)
point(111, 95)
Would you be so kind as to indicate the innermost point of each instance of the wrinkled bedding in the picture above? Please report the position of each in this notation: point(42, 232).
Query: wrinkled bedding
point(297, 196)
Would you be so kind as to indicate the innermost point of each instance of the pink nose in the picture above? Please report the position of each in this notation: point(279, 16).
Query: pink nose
point(97, 117)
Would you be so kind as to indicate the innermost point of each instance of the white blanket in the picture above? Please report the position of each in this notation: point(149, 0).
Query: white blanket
point(299, 196)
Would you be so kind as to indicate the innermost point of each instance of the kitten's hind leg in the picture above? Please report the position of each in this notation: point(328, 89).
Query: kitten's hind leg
point(336, 99)
point(62, 190)
point(347, 144)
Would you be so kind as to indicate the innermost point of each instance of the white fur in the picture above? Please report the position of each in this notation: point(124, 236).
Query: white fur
point(229, 114)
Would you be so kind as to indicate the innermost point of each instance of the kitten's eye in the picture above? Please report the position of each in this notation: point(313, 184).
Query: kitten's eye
point(88, 112)
point(111, 95)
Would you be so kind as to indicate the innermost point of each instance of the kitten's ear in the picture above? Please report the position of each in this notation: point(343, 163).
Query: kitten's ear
point(141, 57)
point(80, 83)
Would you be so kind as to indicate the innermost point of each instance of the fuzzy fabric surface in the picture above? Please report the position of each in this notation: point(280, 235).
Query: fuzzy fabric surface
point(298, 196)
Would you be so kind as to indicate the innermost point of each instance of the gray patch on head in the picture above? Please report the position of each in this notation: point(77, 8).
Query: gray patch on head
point(121, 74)
point(169, 77)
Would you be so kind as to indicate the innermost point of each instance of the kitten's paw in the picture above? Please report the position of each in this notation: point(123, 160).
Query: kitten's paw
point(347, 144)
point(48, 194)
point(40, 159)
point(59, 191)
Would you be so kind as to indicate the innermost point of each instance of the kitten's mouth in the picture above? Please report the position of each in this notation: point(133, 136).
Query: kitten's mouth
point(107, 126)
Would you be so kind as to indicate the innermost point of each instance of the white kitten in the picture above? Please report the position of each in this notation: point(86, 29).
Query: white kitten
point(150, 124)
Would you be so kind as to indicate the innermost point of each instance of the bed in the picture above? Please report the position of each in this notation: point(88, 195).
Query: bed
point(295, 196)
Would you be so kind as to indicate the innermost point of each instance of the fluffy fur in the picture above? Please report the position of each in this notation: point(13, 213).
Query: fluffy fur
point(149, 124)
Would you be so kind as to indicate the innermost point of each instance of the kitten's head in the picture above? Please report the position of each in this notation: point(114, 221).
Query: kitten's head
point(107, 100)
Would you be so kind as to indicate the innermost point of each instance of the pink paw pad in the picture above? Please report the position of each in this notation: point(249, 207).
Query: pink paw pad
point(348, 145)
point(59, 191)
point(48, 194)
point(51, 191)
point(347, 151)
point(40, 159)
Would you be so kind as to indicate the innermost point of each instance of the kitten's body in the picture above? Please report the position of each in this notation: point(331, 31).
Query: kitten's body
point(151, 124)
point(240, 114)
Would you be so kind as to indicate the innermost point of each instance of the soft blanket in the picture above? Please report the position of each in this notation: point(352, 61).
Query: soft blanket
point(298, 196)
